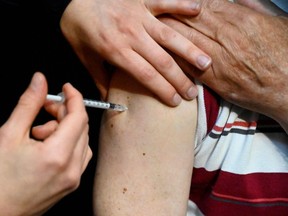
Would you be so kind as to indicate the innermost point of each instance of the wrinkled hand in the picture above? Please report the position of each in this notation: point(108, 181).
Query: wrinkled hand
point(37, 172)
point(249, 52)
point(128, 35)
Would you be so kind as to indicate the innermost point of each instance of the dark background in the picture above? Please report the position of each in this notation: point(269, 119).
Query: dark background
point(30, 41)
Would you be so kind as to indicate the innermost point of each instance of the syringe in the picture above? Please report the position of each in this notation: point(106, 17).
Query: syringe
point(90, 103)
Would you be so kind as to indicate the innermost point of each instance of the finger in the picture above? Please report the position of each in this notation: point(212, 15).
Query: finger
point(143, 71)
point(56, 109)
point(177, 43)
point(72, 125)
point(184, 7)
point(41, 132)
point(82, 151)
point(28, 105)
point(215, 16)
point(188, 68)
point(73, 99)
point(200, 40)
point(166, 66)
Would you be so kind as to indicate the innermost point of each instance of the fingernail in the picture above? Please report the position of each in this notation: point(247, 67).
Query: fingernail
point(195, 5)
point(177, 99)
point(36, 81)
point(192, 93)
point(203, 61)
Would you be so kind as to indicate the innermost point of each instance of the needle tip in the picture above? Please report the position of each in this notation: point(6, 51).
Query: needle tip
point(118, 107)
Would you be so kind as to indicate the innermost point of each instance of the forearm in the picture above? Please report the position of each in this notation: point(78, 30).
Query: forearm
point(145, 156)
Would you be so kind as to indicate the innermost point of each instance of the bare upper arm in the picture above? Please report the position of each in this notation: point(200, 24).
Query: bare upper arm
point(145, 155)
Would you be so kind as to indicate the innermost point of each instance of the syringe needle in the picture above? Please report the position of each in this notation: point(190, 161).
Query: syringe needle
point(90, 103)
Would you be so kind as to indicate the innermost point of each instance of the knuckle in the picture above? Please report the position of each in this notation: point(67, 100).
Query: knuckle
point(90, 153)
point(57, 163)
point(165, 35)
point(25, 99)
point(70, 177)
point(165, 62)
point(72, 180)
point(230, 96)
point(185, 84)
point(147, 74)
point(214, 4)
point(190, 35)
point(107, 44)
point(220, 33)
point(82, 118)
point(127, 30)
point(5, 136)
point(85, 118)
point(191, 51)
point(167, 20)
point(252, 20)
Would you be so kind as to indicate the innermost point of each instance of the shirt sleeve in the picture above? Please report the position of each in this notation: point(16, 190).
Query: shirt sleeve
point(283, 4)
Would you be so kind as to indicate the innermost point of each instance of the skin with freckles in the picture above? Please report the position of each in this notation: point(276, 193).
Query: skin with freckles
point(248, 49)
point(128, 35)
point(145, 155)
point(38, 170)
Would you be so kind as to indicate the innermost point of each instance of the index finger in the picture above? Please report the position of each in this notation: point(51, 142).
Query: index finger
point(178, 44)
point(74, 123)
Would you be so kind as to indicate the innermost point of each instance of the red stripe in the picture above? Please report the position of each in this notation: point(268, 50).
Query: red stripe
point(253, 186)
point(246, 125)
point(259, 200)
point(223, 193)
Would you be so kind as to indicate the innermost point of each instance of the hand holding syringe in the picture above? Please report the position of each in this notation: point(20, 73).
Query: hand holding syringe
point(90, 103)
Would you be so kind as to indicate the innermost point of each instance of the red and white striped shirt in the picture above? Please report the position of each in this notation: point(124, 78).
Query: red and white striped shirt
point(241, 161)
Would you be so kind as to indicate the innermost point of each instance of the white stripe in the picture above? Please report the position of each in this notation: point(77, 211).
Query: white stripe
point(240, 153)
point(201, 130)
point(193, 210)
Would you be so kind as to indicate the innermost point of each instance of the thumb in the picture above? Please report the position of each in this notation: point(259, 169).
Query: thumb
point(28, 105)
